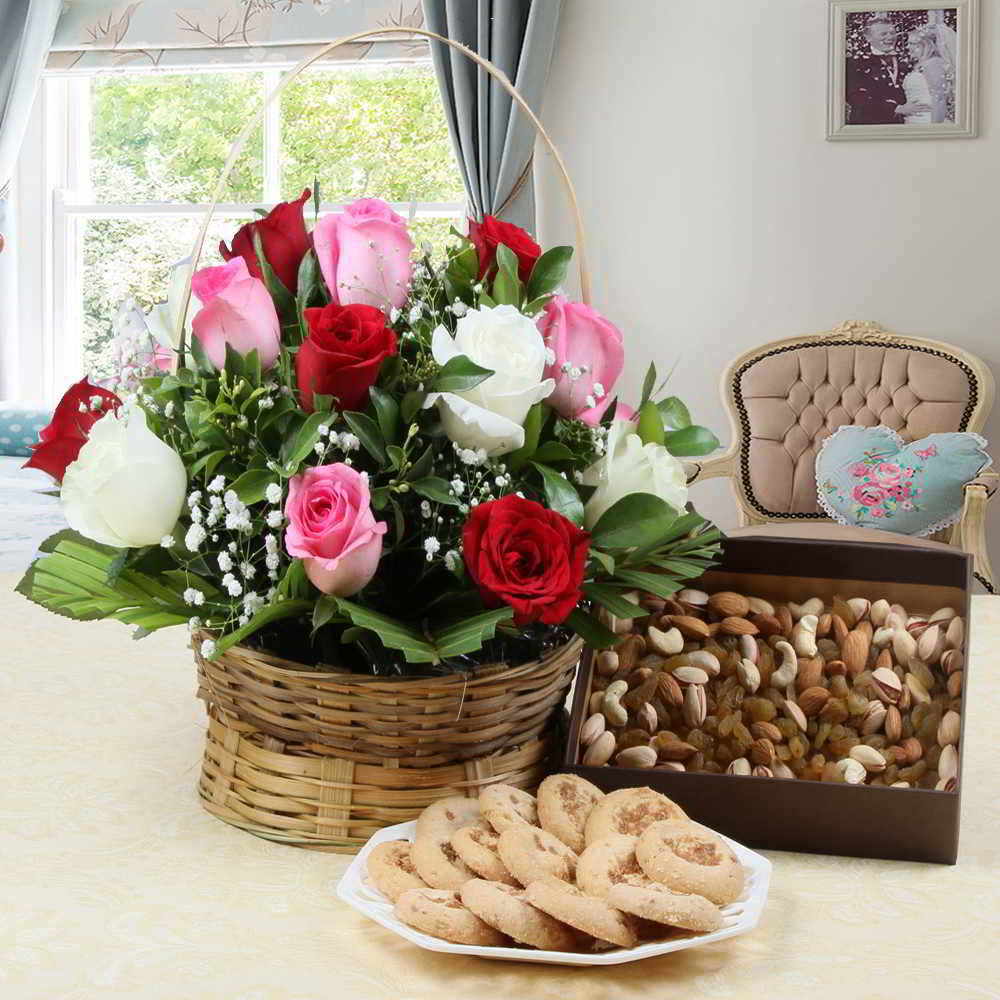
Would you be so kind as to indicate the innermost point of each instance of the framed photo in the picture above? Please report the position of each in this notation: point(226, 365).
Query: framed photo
point(903, 70)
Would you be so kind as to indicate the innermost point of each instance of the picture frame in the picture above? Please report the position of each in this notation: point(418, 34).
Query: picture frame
point(867, 85)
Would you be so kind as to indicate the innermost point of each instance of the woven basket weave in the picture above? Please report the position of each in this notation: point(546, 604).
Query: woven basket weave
point(290, 794)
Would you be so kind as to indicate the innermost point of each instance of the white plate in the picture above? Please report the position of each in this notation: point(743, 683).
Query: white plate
point(739, 917)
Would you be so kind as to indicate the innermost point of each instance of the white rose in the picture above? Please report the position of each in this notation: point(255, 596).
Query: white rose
point(629, 466)
point(491, 416)
point(126, 487)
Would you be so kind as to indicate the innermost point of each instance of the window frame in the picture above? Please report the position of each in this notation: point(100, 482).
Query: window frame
point(53, 185)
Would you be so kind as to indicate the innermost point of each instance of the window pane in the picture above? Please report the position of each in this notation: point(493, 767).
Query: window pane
point(368, 132)
point(165, 137)
point(132, 257)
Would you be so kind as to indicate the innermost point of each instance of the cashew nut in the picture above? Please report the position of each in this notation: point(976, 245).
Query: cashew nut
point(666, 643)
point(758, 606)
point(696, 597)
point(814, 606)
point(707, 661)
point(748, 674)
point(611, 705)
point(748, 648)
point(787, 672)
point(804, 635)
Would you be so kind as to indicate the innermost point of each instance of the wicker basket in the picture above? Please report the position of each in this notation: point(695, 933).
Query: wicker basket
point(291, 794)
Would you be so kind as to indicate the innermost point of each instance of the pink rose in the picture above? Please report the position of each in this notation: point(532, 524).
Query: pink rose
point(887, 473)
point(237, 310)
point(364, 254)
point(584, 342)
point(859, 470)
point(876, 512)
point(907, 473)
point(868, 494)
point(624, 412)
point(332, 529)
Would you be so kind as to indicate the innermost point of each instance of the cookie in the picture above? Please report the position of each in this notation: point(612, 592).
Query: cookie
point(629, 811)
point(437, 862)
point(564, 803)
point(441, 913)
point(664, 906)
point(567, 903)
point(506, 908)
point(606, 863)
point(688, 857)
point(391, 871)
point(478, 849)
point(505, 805)
point(529, 853)
point(449, 814)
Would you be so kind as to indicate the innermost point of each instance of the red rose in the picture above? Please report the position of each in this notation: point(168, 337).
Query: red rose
point(487, 235)
point(283, 238)
point(60, 442)
point(525, 555)
point(342, 354)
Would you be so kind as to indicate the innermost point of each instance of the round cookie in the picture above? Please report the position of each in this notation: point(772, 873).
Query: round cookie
point(449, 814)
point(688, 857)
point(506, 908)
point(629, 811)
point(606, 863)
point(505, 805)
point(478, 849)
point(391, 871)
point(660, 904)
point(564, 803)
point(437, 862)
point(567, 903)
point(529, 853)
point(441, 913)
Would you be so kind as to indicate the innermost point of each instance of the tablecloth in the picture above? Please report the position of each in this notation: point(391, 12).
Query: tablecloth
point(115, 883)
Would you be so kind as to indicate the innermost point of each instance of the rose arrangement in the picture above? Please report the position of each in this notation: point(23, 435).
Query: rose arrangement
point(365, 456)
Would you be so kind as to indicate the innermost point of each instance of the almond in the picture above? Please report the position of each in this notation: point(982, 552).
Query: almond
point(812, 700)
point(758, 606)
point(854, 651)
point(762, 752)
point(835, 667)
point(737, 626)
point(629, 650)
point(688, 625)
point(839, 629)
point(727, 604)
point(843, 611)
point(823, 626)
point(913, 749)
point(766, 731)
point(810, 673)
point(669, 748)
point(796, 715)
point(669, 690)
point(768, 624)
point(893, 725)
point(949, 728)
point(785, 617)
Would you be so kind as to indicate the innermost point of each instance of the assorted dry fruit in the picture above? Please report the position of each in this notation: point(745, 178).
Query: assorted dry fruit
point(853, 691)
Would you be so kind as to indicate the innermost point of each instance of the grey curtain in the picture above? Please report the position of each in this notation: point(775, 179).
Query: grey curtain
point(493, 138)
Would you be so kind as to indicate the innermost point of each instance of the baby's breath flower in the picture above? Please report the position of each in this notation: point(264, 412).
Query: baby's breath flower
point(167, 542)
point(431, 546)
point(193, 596)
point(225, 562)
point(194, 537)
point(208, 647)
point(217, 484)
point(275, 519)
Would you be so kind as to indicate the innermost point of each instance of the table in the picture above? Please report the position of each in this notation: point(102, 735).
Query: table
point(115, 883)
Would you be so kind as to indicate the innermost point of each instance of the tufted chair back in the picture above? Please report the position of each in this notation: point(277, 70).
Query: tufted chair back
point(785, 398)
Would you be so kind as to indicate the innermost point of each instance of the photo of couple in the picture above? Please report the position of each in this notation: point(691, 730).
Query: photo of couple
point(901, 67)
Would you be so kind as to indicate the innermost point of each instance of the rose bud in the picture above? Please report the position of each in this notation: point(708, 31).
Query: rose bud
point(487, 235)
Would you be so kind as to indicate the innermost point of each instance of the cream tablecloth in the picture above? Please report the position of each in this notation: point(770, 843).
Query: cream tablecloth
point(114, 882)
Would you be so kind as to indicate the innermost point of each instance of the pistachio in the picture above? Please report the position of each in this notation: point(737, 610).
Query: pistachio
point(599, 752)
point(852, 771)
point(779, 769)
point(948, 762)
point(636, 757)
point(607, 663)
point(955, 683)
point(690, 675)
point(946, 785)
point(944, 615)
point(591, 729)
point(796, 715)
point(903, 646)
point(930, 645)
point(748, 648)
point(879, 612)
point(671, 765)
point(762, 771)
point(954, 637)
point(869, 757)
point(647, 718)
point(695, 707)
point(861, 607)
point(873, 718)
point(739, 766)
point(952, 660)
point(949, 728)
point(913, 749)
point(666, 643)
point(707, 661)
point(594, 705)
point(886, 684)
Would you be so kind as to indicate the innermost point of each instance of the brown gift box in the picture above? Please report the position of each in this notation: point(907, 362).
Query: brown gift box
point(799, 815)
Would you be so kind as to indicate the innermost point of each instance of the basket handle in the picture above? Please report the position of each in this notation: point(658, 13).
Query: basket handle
point(494, 71)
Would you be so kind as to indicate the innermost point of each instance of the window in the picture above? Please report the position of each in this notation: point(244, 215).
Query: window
point(129, 161)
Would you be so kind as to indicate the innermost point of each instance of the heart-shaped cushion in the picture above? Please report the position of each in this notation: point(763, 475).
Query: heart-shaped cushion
point(868, 477)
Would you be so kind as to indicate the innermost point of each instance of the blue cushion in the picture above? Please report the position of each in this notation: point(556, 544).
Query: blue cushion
point(19, 428)
point(867, 477)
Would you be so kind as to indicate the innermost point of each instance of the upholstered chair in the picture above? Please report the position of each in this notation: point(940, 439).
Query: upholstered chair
point(786, 397)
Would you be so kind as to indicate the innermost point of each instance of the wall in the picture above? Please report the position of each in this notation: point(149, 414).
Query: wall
point(719, 216)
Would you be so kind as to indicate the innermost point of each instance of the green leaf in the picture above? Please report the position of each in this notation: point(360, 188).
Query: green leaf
point(463, 267)
point(397, 456)
point(606, 562)
point(588, 628)
point(693, 440)
point(532, 429)
point(638, 519)
point(434, 488)
point(675, 414)
point(423, 465)
point(266, 616)
point(284, 300)
point(411, 404)
point(549, 271)
point(554, 451)
point(608, 597)
point(295, 584)
point(400, 519)
point(485, 300)
point(650, 424)
point(368, 434)
point(654, 583)
point(458, 375)
point(648, 384)
point(252, 485)
point(387, 412)
point(469, 634)
point(560, 494)
point(324, 612)
point(295, 450)
point(393, 633)
point(506, 284)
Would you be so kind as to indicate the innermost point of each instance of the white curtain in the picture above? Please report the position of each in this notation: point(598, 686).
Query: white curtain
point(26, 31)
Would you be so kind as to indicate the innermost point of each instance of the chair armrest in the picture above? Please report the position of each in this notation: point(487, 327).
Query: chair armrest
point(713, 468)
point(973, 525)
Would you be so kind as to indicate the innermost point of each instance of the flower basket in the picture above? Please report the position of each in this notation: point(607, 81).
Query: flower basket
point(302, 796)
point(411, 722)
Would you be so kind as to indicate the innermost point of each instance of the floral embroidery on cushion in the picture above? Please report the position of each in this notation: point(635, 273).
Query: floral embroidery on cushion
point(883, 487)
